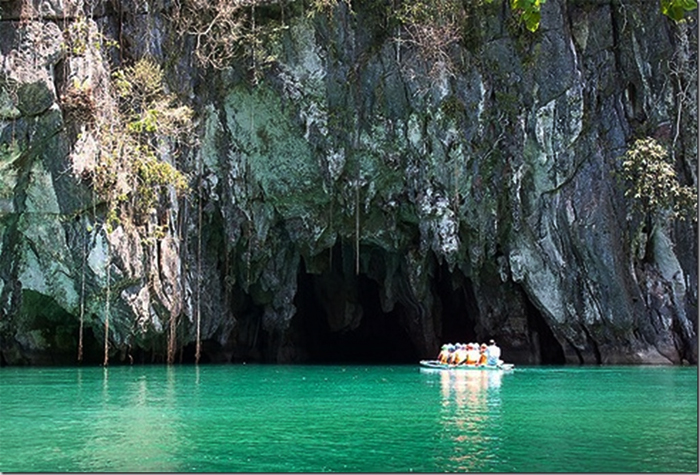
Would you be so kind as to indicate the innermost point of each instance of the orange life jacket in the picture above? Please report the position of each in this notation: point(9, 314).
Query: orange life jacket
point(472, 357)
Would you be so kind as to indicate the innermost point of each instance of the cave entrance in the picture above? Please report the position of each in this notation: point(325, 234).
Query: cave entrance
point(338, 295)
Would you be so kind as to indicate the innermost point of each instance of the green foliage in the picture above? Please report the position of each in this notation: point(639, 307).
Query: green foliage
point(139, 85)
point(226, 30)
point(112, 220)
point(676, 9)
point(652, 181)
point(151, 118)
point(433, 26)
point(528, 12)
point(146, 107)
point(147, 122)
point(79, 37)
point(154, 177)
point(129, 175)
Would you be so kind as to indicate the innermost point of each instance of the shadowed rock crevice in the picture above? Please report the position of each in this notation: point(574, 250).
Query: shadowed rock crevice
point(340, 319)
point(47, 328)
point(458, 311)
point(545, 346)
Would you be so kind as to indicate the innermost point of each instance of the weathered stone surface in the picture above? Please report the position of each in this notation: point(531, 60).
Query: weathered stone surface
point(348, 200)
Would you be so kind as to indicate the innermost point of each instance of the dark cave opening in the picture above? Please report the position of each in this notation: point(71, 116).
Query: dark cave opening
point(93, 349)
point(207, 349)
point(379, 338)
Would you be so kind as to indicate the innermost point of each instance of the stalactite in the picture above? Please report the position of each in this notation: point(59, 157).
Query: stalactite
point(356, 142)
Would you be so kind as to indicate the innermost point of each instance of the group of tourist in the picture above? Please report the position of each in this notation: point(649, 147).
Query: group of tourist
point(470, 354)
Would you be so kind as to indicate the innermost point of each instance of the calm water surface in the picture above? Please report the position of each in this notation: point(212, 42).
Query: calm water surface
point(252, 418)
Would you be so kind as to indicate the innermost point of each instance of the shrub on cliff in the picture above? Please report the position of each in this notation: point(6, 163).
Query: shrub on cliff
point(652, 182)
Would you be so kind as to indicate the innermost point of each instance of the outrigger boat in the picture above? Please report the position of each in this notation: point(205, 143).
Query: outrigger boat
point(435, 364)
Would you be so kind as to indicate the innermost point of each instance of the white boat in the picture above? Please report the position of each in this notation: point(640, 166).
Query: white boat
point(435, 364)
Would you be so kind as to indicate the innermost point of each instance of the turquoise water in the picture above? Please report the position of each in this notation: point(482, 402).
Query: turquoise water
point(254, 418)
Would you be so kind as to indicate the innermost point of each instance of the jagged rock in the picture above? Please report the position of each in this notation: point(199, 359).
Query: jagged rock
point(353, 200)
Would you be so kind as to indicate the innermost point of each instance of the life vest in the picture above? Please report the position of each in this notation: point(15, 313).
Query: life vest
point(453, 357)
point(472, 356)
point(460, 356)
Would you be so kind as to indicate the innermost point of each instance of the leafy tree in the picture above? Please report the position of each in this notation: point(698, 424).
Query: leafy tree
point(653, 184)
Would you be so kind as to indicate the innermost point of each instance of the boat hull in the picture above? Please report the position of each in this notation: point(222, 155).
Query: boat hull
point(435, 364)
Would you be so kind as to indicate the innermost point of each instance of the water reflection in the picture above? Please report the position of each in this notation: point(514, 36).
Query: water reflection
point(135, 426)
point(470, 418)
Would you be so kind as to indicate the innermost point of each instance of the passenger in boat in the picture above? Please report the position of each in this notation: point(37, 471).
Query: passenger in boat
point(453, 353)
point(483, 355)
point(450, 353)
point(493, 354)
point(472, 354)
point(444, 353)
point(460, 354)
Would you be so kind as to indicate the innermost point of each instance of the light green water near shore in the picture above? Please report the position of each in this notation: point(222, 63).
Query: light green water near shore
point(254, 418)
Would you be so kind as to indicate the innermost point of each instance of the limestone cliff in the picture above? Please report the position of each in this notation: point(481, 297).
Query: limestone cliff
point(350, 197)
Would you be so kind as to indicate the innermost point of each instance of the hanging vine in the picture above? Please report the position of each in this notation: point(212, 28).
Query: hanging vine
point(198, 308)
point(107, 298)
point(82, 302)
point(357, 223)
point(172, 336)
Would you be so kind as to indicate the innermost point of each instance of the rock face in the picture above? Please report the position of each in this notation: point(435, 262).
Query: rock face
point(353, 201)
